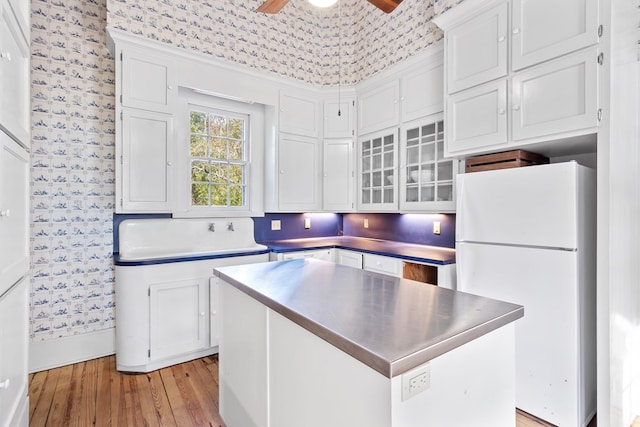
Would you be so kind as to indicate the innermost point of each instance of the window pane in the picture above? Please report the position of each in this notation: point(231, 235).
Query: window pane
point(200, 194)
point(219, 195)
point(217, 125)
point(198, 122)
point(235, 150)
point(218, 148)
point(236, 129)
point(219, 173)
point(200, 171)
point(236, 195)
point(236, 174)
point(198, 146)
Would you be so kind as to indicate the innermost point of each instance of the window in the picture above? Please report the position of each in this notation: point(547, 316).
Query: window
point(218, 152)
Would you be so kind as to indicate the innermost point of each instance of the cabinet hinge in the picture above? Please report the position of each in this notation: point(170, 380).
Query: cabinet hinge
point(121, 56)
point(121, 203)
point(599, 114)
point(601, 58)
point(149, 353)
point(600, 30)
point(353, 132)
point(120, 99)
point(121, 112)
point(121, 160)
point(353, 103)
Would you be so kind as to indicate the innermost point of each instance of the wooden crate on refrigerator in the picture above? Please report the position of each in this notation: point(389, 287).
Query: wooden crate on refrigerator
point(504, 160)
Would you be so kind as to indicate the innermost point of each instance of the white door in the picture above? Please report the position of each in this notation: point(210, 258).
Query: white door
point(545, 283)
point(299, 113)
point(378, 108)
point(477, 118)
point(539, 34)
point(557, 96)
point(476, 51)
point(147, 81)
point(178, 318)
point(377, 171)
point(14, 212)
point(299, 173)
point(339, 125)
point(534, 205)
point(147, 161)
point(338, 176)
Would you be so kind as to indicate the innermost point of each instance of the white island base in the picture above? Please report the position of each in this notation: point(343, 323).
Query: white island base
point(275, 373)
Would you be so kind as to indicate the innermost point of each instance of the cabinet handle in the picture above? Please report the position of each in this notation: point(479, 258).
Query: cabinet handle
point(501, 39)
point(281, 172)
point(4, 384)
point(516, 30)
point(501, 111)
point(516, 107)
point(202, 313)
point(5, 55)
point(170, 87)
point(168, 163)
point(5, 212)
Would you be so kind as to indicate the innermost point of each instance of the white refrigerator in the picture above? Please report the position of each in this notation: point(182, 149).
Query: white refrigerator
point(527, 236)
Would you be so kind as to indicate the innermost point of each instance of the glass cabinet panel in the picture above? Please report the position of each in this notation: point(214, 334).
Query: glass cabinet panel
point(378, 171)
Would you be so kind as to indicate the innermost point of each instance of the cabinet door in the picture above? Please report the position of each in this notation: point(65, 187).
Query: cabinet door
point(15, 86)
point(339, 126)
point(14, 212)
point(378, 108)
point(146, 161)
point(382, 264)
point(422, 92)
point(323, 254)
point(546, 29)
point(349, 258)
point(178, 319)
point(338, 176)
point(426, 177)
point(377, 177)
point(14, 341)
point(299, 173)
point(557, 96)
point(147, 81)
point(299, 114)
point(477, 118)
point(476, 51)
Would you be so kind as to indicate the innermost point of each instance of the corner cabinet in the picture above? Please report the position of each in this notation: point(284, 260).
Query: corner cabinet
point(338, 175)
point(377, 171)
point(427, 178)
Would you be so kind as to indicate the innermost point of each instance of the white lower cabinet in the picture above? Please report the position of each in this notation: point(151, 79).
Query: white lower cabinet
point(323, 254)
point(349, 258)
point(14, 341)
point(177, 313)
point(382, 264)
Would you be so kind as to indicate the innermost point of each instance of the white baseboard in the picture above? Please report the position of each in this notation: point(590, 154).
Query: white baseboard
point(49, 354)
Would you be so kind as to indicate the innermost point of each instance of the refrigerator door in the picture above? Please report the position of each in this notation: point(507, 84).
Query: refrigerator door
point(545, 282)
point(529, 206)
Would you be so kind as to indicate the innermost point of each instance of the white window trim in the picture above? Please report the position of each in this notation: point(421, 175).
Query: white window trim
point(254, 206)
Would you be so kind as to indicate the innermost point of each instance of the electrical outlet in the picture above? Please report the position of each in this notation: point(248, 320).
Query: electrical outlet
point(307, 223)
point(416, 381)
point(366, 223)
point(436, 227)
point(275, 225)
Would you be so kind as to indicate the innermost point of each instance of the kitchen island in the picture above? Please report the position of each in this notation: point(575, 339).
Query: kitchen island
point(311, 343)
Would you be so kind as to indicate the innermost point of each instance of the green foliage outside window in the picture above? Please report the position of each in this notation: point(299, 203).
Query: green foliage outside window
point(218, 159)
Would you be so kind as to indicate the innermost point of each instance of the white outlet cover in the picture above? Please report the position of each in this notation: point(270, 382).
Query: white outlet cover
point(275, 225)
point(416, 381)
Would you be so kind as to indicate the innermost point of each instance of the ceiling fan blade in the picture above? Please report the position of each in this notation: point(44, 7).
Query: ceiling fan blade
point(273, 6)
point(387, 6)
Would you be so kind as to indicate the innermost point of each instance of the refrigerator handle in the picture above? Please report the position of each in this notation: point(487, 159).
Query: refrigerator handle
point(460, 207)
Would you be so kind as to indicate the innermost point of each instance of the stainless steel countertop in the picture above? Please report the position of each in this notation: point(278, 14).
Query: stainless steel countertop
point(390, 324)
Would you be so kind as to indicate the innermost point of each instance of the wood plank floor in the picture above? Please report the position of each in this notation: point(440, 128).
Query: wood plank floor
point(93, 393)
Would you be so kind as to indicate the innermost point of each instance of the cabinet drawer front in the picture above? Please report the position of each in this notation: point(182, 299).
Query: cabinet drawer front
point(558, 96)
point(539, 35)
point(477, 118)
point(477, 50)
point(383, 264)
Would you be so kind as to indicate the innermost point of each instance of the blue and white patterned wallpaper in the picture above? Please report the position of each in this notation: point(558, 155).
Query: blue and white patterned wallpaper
point(73, 113)
point(73, 176)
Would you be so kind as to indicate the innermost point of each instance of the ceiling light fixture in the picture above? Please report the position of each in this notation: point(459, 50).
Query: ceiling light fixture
point(322, 3)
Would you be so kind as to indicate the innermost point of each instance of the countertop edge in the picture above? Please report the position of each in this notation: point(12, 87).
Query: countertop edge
point(167, 260)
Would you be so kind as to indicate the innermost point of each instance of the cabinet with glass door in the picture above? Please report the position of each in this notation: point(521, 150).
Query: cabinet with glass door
point(377, 183)
point(427, 179)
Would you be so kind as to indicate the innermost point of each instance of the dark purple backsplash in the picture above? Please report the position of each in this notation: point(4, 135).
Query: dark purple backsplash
point(409, 228)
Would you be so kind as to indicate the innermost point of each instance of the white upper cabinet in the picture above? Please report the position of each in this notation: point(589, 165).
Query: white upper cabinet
point(546, 29)
point(377, 171)
point(477, 50)
point(298, 174)
point(426, 176)
point(422, 91)
point(299, 113)
point(146, 162)
point(147, 81)
point(15, 86)
point(339, 125)
point(477, 118)
point(338, 175)
point(557, 96)
point(378, 108)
